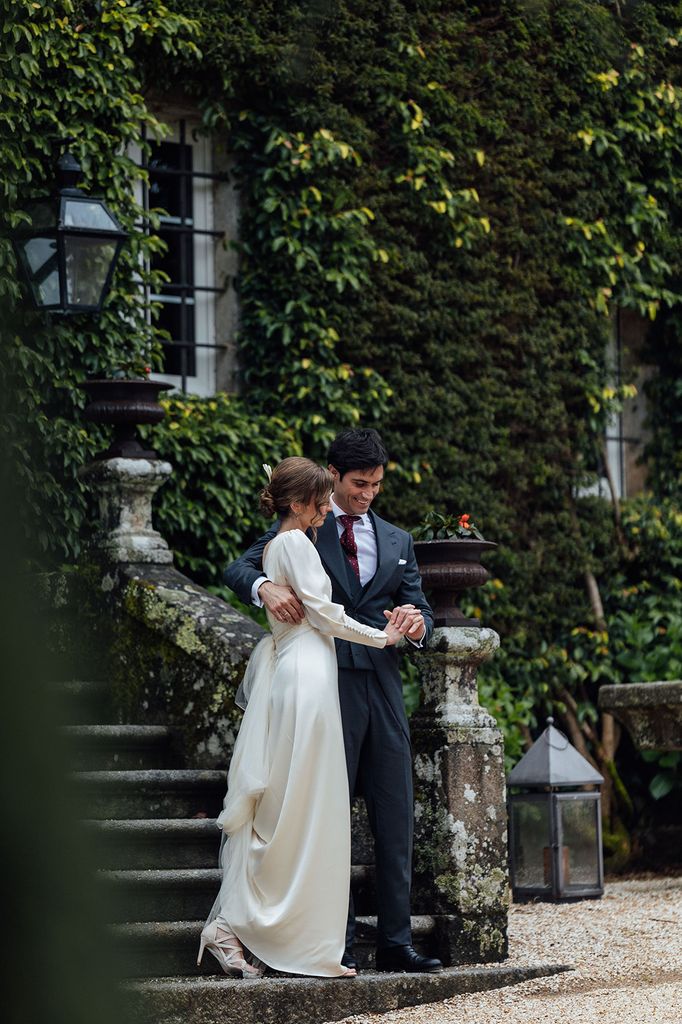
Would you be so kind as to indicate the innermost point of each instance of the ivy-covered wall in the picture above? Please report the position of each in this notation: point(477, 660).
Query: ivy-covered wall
point(510, 175)
point(442, 206)
point(473, 151)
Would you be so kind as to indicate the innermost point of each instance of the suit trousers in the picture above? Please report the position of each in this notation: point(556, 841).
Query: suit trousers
point(379, 762)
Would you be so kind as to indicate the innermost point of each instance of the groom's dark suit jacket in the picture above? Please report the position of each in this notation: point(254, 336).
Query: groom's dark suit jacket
point(396, 582)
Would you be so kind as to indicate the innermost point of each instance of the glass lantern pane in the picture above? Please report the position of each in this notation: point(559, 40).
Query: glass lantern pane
point(580, 841)
point(39, 256)
point(87, 267)
point(530, 837)
point(91, 213)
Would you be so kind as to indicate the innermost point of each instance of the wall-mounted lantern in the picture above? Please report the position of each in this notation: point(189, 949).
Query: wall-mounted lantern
point(555, 839)
point(69, 250)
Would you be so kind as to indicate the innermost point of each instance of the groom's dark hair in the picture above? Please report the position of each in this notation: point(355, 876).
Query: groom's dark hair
point(357, 449)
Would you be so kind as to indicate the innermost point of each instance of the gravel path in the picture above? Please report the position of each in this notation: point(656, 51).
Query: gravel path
point(626, 948)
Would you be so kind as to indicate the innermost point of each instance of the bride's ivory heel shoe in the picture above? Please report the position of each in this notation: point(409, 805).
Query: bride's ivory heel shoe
point(227, 950)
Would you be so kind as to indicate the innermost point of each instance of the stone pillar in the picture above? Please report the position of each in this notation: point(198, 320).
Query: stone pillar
point(460, 853)
point(124, 489)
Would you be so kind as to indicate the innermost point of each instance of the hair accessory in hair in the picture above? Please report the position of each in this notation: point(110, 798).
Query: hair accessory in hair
point(268, 471)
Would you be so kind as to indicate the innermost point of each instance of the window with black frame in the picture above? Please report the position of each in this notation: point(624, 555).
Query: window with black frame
point(182, 184)
point(170, 188)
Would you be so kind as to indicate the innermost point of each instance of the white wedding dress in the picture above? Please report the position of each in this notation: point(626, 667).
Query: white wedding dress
point(286, 863)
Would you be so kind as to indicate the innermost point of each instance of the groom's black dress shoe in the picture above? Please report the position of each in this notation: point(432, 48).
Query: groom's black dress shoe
point(407, 959)
point(348, 960)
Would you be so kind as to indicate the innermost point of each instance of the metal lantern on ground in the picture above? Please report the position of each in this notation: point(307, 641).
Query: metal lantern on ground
point(555, 823)
point(69, 250)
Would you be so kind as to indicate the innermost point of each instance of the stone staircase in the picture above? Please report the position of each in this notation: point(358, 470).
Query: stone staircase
point(150, 822)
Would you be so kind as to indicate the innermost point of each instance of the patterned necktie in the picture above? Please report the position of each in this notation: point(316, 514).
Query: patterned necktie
point(348, 543)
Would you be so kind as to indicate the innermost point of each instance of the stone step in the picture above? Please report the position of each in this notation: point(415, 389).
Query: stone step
point(119, 747)
point(84, 702)
point(182, 843)
point(175, 895)
point(169, 948)
point(172, 793)
point(156, 843)
point(179, 893)
point(222, 1000)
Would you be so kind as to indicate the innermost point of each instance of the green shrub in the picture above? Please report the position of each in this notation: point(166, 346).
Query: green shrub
point(642, 642)
point(208, 510)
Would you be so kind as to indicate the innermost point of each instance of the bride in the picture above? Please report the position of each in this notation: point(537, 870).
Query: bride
point(285, 857)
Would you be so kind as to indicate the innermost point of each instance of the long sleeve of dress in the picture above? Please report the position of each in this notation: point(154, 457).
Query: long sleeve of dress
point(306, 575)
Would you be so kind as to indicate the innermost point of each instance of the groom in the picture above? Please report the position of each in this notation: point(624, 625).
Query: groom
point(371, 565)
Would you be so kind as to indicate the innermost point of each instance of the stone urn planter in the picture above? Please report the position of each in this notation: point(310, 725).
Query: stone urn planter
point(448, 568)
point(125, 405)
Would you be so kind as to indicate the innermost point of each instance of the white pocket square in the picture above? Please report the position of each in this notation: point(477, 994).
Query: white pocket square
point(402, 561)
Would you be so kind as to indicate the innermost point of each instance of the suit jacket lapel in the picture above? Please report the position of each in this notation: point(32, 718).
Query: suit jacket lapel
point(331, 554)
point(387, 555)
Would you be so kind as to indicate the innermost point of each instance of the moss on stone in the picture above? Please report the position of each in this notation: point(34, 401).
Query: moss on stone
point(433, 835)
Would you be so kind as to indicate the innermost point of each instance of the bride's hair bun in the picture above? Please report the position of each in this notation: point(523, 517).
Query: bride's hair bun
point(295, 479)
point(268, 505)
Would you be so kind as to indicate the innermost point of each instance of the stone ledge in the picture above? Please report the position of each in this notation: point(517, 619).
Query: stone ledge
point(118, 734)
point(214, 1000)
point(651, 712)
point(199, 623)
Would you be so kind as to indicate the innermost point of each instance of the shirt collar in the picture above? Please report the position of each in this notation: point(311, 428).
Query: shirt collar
point(339, 512)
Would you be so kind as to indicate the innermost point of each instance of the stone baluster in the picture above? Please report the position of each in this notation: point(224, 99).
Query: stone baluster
point(124, 489)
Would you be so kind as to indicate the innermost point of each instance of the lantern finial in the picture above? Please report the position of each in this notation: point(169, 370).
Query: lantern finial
point(69, 170)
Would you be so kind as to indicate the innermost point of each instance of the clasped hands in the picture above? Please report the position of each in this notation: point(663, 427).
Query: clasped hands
point(409, 620)
point(284, 605)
